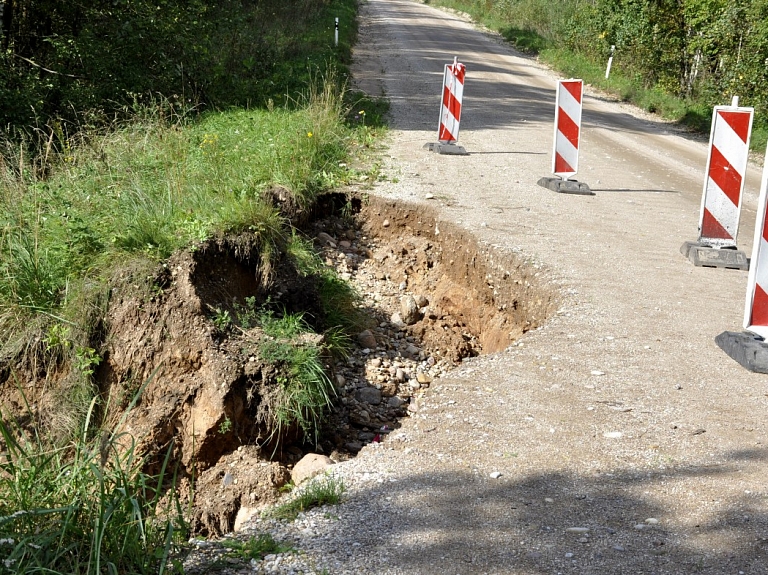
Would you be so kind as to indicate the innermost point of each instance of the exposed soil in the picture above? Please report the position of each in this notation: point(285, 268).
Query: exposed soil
point(204, 390)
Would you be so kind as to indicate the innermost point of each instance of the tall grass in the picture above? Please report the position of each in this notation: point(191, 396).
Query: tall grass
point(83, 508)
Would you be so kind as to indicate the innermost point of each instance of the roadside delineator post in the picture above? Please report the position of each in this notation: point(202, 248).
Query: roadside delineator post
point(749, 348)
point(565, 152)
point(450, 112)
point(723, 190)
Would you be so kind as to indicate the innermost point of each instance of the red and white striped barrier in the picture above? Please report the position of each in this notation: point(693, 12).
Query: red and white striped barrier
point(565, 155)
point(450, 109)
point(724, 183)
point(756, 309)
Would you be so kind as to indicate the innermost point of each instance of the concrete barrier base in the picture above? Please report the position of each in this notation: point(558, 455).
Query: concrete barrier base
point(446, 149)
point(747, 349)
point(566, 186)
point(706, 256)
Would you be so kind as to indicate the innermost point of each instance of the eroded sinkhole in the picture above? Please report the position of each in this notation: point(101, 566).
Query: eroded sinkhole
point(430, 296)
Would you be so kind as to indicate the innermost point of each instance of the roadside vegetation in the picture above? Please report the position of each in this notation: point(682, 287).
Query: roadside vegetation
point(674, 58)
point(129, 132)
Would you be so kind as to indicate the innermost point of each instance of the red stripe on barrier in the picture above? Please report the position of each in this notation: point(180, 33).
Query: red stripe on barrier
point(568, 128)
point(725, 175)
point(575, 89)
point(711, 228)
point(444, 135)
point(765, 226)
point(450, 102)
point(760, 307)
point(561, 166)
point(739, 123)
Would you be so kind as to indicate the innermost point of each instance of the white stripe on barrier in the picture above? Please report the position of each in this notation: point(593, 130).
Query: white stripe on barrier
point(756, 308)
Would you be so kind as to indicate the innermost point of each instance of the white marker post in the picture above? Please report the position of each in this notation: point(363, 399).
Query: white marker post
point(610, 62)
point(337, 33)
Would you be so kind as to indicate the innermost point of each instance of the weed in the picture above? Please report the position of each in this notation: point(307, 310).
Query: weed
point(225, 426)
point(222, 319)
point(318, 492)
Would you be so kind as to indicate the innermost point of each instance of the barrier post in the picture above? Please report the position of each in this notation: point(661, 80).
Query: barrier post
point(723, 190)
point(749, 349)
point(610, 62)
point(565, 149)
point(336, 35)
point(450, 111)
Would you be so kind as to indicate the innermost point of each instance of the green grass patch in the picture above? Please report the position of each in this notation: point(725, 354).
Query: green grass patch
point(86, 507)
point(321, 491)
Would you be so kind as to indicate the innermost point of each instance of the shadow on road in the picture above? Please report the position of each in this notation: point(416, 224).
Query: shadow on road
point(462, 522)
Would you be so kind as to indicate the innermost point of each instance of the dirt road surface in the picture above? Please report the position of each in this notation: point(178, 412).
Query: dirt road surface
point(616, 439)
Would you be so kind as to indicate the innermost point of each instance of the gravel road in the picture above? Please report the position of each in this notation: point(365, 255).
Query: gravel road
point(616, 439)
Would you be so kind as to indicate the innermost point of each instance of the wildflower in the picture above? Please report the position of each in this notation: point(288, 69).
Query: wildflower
point(309, 134)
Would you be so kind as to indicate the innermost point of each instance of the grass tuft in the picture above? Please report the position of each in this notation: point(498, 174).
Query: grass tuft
point(326, 490)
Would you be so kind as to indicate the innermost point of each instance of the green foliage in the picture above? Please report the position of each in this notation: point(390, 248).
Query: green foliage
point(84, 508)
point(317, 492)
point(60, 59)
point(675, 57)
point(305, 391)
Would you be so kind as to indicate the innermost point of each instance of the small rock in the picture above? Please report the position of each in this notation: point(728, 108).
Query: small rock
point(613, 434)
point(422, 377)
point(227, 480)
point(397, 321)
point(652, 521)
point(618, 548)
point(400, 375)
point(345, 244)
point(597, 372)
point(326, 239)
point(409, 311)
point(577, 530)
point(369, 395)
point(309, 466)
point(495, 475)
point(395, 402)
point(411, 350)
point(421, 301)
point(375, 362)
point(568, 555)
point(366, 339)
point(385, 224)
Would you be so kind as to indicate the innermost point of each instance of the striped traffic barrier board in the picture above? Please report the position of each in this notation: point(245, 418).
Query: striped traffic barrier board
point(565, 156)
point(724, 182)
point(756, 309)
point(450, 108)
